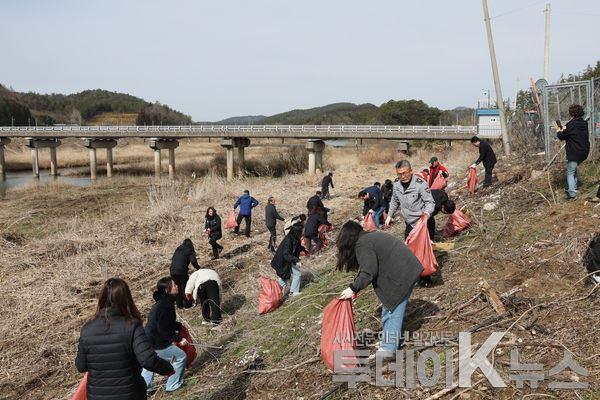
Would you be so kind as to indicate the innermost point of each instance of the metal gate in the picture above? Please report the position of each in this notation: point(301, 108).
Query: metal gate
point(556, 101)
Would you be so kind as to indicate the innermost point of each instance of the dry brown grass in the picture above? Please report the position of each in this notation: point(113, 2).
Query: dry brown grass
point(59, 243)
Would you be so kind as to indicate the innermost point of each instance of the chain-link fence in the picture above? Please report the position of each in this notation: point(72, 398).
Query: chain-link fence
point(556, 101)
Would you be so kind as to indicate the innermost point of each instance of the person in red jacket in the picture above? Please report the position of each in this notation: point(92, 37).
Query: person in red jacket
point(436, 168)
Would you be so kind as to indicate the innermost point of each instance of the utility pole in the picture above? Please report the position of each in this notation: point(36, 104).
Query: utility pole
point(547, 44)
point(499, 100)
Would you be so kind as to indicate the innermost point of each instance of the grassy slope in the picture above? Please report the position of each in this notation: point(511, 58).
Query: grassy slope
point(75, 237)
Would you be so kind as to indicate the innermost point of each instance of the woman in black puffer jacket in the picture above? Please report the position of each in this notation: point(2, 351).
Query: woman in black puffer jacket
point(113, 348)
point(212, 227)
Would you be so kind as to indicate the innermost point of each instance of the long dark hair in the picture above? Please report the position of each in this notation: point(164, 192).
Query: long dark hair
point(116, 295)
point(162, 287)
point(187, 246)
point(214, 212)
point(346, 243)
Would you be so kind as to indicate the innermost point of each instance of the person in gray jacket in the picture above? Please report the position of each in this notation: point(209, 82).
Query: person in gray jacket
point(411, 195)
point(386, 263)
point(271, 217)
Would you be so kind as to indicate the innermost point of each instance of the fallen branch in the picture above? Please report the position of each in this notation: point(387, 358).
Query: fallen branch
point(284, 369)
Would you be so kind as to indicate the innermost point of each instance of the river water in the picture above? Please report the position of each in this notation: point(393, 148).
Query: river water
point(21, 179)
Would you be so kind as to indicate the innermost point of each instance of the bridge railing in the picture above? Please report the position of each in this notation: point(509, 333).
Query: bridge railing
point(240, 128)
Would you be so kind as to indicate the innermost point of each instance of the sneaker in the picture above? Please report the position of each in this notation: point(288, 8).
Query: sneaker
point(595, 200)
point(294, 294)
point(596, 278)
point(569, 198)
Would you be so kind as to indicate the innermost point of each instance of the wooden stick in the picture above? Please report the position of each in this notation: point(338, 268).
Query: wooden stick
point(492, 297)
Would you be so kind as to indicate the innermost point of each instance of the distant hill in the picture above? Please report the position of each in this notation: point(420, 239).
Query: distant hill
point(86, 107)
point(244, 120)
point(331, 114)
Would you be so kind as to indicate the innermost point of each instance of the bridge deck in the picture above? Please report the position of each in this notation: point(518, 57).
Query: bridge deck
point(324, 132)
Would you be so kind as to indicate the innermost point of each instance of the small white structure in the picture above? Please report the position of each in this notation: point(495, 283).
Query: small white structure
point(488, 122)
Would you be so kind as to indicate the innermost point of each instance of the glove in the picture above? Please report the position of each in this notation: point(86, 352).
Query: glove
point(183, 342)
point(346, 294)
point(370, 211)
point(473, 165)
point(426, 214)
point(188, 296)
point(388, 220)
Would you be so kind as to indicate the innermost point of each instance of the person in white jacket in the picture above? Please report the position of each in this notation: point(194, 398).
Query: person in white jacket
point(204, 286)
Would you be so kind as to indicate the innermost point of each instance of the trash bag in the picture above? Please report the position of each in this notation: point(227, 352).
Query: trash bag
point(270, 295)
point(419, 243)
point(439, 182)
point(231, 220)
point(457, 222)
point(304, 244)
point(81, 391)
point(338, 333)
point(472, 180)
point(188, 348)
point(323, 237)
point(369, 223)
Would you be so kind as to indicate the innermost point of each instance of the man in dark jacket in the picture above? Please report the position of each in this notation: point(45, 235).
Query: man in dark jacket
point(443, 204)
point(325, 183)
point(387, 190)
point(184, 255)
point(487, 156)
point(372, 202)
point(271, 217)
point(577, 146)
point(123, 344)
point(316, 202)
point(246, 204)
point(311, 229)
point(286, 261)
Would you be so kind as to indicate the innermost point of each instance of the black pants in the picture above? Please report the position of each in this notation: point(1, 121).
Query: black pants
point(325, 193)
point(248, 219)
point(273, 238)
point(181, 281)
point(216, 247)
point(208, 298)
point(317, 244)
point(430, 228)
point(488, 175)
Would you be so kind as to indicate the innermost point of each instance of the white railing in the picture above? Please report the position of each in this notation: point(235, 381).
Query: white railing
point(243, 128)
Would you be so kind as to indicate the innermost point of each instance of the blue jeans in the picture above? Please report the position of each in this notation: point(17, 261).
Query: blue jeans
point(176, 357)
point(296, 280)
point(572, 178)
point(392, 325)
point(377, 215)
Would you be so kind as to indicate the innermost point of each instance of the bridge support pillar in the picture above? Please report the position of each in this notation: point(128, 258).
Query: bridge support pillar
point(94, 144)
point(109, 162)
point(3, 142)
point(35, 144)
point(315, 155)
point(229, 144)
point(159, 144)
point(404, 147)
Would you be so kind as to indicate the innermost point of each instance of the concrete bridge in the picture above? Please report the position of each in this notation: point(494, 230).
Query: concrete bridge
point(232, 137)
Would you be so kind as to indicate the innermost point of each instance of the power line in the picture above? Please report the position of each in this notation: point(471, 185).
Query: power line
point(577, 13)
point(518, 9)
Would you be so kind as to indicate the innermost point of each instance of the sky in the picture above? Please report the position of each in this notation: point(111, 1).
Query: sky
point(218, 59)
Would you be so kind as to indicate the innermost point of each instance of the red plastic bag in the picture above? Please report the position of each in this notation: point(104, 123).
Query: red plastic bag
point(188, 348)
point(369, 223)
point(231, 220)
point(338, 333)
point(270, 295)
point(322, 236)
point(81, 391)
point(439, 182)
point(419, 243)
point(457, 222)
point(424, 177)
point(304, 244)
point(472, 180)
